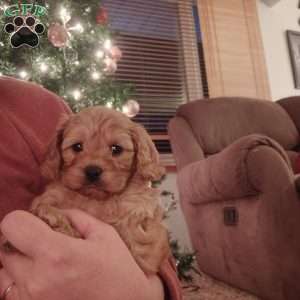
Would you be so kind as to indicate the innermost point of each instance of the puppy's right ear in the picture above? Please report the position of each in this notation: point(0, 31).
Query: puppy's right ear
point(53, 161)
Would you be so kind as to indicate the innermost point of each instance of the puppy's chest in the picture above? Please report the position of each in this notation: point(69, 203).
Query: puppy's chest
point(115, 210)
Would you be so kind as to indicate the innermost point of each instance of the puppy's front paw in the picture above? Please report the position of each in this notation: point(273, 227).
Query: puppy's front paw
point(55, 219)
point(149, 245)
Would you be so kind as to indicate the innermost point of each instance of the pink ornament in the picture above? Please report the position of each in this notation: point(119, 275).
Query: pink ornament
point(58, 35)
point(116, 53)
point(110, 65)
point(131, 108)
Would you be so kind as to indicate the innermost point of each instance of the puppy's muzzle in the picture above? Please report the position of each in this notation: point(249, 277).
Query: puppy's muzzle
point(93, 173)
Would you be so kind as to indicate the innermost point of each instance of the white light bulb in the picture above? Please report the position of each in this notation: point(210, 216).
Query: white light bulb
point(23, 74)
point(43, 67)
point(109, 104)
point(125, 110)
point(78, 27)
point(99, 54)
point(107, 44)
point(65, 16)
point(76, 94)
point(1, 74)
point(96, 75)
point(76, 63)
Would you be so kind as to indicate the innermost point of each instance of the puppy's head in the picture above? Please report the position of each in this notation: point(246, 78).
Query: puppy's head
point(99, 151)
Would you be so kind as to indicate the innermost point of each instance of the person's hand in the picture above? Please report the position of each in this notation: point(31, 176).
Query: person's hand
point(55, 266)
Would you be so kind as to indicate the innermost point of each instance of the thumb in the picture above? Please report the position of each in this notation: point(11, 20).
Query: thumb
point(88, 226)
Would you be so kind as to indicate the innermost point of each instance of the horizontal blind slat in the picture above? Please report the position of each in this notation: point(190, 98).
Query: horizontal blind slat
point(160, 56)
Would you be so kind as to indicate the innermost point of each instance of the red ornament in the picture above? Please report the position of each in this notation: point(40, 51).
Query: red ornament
point(102, 16)
point(58, 35)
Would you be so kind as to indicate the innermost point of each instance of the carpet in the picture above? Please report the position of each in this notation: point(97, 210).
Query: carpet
point(211, 289)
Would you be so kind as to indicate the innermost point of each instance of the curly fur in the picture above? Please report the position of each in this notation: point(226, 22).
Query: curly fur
point(122, 197)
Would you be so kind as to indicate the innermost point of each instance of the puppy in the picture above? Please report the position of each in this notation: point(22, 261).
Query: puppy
point(103, 163)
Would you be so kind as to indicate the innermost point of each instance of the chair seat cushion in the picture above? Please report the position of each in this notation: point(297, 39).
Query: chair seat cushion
point(294, 157)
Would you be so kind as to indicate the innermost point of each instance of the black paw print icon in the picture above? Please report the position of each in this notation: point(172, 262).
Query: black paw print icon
point(24, 31)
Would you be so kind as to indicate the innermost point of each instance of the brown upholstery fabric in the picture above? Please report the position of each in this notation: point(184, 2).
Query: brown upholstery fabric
point(252, 175)
point(218, 122)
point(229, 175)
point(292, 107)
point(293, 156)
point(188, 150)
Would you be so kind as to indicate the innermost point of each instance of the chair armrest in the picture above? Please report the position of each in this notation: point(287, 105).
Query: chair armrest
point(243, 169)
point(185, 147)
point(292, 106)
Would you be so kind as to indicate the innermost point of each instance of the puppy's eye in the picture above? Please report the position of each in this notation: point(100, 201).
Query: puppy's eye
point(78, 147)
point(116, 150)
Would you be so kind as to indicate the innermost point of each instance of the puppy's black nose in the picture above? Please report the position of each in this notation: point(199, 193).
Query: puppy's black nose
point(93, 173)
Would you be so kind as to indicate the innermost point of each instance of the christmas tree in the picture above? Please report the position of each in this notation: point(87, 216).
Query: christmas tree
point(67, 47)
point(185, 259)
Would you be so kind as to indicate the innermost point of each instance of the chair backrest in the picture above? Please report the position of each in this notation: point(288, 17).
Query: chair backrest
point(218, 122)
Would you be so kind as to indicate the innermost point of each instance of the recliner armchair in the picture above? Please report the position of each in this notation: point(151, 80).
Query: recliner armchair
point(236, 159)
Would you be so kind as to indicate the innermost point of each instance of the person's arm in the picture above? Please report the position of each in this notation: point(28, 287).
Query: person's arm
point(55, 266)
point(172, 286)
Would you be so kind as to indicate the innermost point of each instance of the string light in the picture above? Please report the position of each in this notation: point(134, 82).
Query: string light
point(107, 44)
point(125, 110)
point(96, 75)
point(76, 63)
point(43, 67)
point(65, 16)
point(109, 104)
point(76, 94)
point(23, 74)
point(4, 7)
point(99, 54)
point(78, 27)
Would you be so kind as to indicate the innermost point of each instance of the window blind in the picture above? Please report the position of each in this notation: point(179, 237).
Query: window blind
point(159, 42)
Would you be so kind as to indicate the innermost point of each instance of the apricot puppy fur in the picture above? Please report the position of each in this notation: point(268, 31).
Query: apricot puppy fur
point(102, 163)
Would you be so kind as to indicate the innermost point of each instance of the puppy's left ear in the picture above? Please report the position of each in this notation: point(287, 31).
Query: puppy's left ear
point(52, 164)
point(148, 165)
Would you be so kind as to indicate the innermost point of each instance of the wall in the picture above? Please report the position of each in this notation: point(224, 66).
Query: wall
point(176, 223)
point(274, 22)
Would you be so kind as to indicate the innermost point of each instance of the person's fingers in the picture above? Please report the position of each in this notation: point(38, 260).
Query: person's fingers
point(27, 233)
point(15, 265)
point(88, 226)
point(6, 283)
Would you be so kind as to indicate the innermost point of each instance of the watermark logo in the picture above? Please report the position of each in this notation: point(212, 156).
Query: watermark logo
point(25, 30)
point(25, 9)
